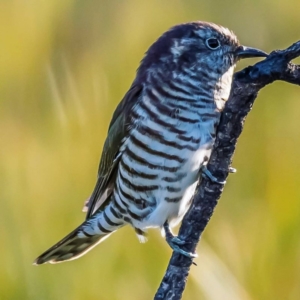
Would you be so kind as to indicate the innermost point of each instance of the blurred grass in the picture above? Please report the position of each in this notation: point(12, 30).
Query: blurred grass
point(64, 66)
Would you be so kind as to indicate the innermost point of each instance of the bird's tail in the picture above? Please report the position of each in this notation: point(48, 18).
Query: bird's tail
point(69, 248)
point(78, 242)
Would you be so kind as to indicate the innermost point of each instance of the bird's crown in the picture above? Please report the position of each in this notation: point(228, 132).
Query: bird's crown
point(190, 43)
point(195, 46)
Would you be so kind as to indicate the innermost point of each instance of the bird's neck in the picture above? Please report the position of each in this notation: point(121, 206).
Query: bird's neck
point(223, 88)
point(191, 88)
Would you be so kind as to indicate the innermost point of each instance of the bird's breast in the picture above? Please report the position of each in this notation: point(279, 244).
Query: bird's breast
point(161, 161)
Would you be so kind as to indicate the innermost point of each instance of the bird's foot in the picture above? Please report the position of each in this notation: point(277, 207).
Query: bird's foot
point(175, 243)
point(176, 240)
point(206, 173)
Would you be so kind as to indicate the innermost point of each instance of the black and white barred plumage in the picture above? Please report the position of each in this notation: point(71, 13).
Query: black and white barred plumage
point(160, 135)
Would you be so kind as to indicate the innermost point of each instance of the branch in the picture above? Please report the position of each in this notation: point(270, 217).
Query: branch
point(245, 87)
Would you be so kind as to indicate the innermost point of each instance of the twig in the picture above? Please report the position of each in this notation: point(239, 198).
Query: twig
point(246, 85)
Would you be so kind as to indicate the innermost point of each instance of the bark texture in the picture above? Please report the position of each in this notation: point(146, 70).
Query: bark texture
point(246, 85)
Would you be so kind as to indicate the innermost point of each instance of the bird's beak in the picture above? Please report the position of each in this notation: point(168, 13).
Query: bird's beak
point(246, 52)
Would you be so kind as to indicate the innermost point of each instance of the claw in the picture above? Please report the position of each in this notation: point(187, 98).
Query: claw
point(177, 249)
point(206, 173)
point(175, 242)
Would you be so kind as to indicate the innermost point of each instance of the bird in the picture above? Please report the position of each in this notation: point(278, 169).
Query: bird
point(160, 138)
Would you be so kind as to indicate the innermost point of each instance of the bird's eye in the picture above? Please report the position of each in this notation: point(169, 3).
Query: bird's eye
point(212, 43)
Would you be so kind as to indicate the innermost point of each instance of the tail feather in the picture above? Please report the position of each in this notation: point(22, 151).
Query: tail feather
point(71, 247)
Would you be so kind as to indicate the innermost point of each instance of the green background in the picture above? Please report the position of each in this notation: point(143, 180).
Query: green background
point(64, 66)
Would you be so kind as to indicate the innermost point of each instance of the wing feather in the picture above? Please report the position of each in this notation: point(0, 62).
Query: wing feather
point(117, 133)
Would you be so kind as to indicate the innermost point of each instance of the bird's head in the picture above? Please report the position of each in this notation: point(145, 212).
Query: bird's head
point(199, 47)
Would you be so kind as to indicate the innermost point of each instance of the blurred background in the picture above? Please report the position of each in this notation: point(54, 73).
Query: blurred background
point(64, 66)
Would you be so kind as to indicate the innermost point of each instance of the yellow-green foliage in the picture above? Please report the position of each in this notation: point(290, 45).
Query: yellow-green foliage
point(64, 65)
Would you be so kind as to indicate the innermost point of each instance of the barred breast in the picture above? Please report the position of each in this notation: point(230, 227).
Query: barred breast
point(172, 138)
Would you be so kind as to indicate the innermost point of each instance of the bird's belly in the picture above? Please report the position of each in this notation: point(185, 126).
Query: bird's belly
point(174, 199)
point(160, 187)
point(159, 168)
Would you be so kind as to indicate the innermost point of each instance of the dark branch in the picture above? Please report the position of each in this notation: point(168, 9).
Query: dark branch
point(246, 85)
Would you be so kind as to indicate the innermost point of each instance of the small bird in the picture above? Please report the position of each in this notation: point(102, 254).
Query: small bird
point(160, 138)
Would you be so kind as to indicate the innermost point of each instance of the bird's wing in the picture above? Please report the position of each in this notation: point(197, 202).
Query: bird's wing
point(117, 132)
